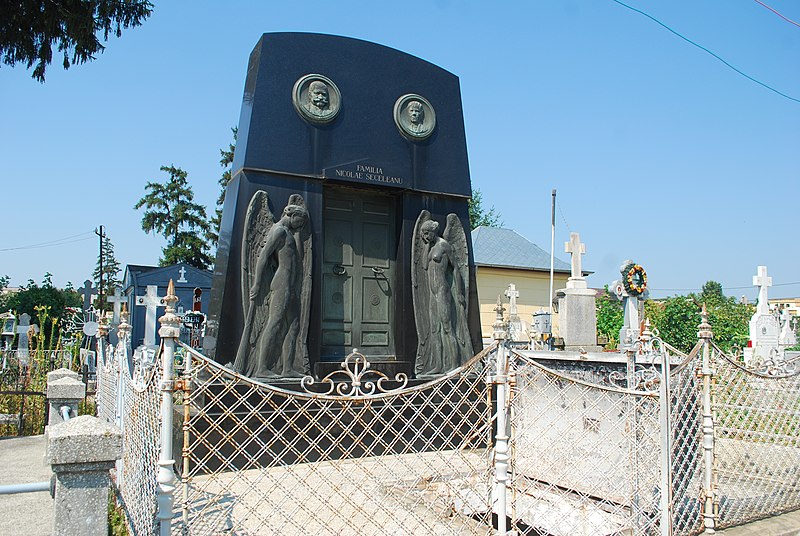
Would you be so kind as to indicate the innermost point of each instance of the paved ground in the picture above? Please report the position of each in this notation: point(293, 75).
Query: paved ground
point(785, 525)
point(22, 461)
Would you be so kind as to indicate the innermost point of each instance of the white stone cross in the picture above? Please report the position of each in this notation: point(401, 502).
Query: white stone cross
point(577, 249)
point(152, 301)
point(117, 298)
point(87, 290)
point(762, 281)
point(512, 294)
point(182, 278)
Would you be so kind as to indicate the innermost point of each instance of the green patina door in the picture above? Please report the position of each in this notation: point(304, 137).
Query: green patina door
point(358, 274)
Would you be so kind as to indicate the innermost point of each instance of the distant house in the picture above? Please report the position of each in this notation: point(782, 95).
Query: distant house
point(792, 304)
point(186, 278)
point(503, 256)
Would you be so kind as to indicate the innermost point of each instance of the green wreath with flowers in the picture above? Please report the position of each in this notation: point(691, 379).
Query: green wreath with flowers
point(634, 278)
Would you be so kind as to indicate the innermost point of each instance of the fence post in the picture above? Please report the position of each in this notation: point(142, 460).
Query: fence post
point(63, 389)
point(169, 332)
point(501, 450)
point(707, 372)
point(81, 451)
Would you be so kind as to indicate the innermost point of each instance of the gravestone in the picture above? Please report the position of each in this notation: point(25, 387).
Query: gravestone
point(788, 337)
point(631, 289)
point(517, 330)
point(764, 327)
point(344, 146)
point(87, 291)
point(151, 300)
point(577, 314)
point(116, 300)
point(24, 327)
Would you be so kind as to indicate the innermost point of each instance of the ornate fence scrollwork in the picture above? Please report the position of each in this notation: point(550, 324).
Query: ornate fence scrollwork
point(355, 379)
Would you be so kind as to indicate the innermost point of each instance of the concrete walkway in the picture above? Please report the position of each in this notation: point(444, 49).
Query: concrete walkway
point(21, 462)
point(785, 525)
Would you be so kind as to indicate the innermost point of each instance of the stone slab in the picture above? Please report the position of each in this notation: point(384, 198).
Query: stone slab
point(84, 439)
point(61, 373)
point(66, 388)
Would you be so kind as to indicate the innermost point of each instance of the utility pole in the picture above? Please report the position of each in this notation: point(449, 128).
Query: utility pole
point(101, 300)
point(552, 252)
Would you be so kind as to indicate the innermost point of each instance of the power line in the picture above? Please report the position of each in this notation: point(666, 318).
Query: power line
point(777, 13)
point(728, 288)
point(59, 242)
point(563, 218)
point(701, 47)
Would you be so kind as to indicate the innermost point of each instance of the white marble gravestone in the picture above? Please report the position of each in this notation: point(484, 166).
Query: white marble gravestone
point(116, 300)
point(765, 329)
point(788, 337)
point(517, 330)
point(152, 301)
point(577, 313)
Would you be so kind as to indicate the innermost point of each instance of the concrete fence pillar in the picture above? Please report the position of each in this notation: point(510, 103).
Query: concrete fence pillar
point(63, 389)
point(81, 451)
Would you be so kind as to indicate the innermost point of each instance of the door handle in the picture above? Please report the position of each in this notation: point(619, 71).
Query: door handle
point(376, 270)
point(338, 269)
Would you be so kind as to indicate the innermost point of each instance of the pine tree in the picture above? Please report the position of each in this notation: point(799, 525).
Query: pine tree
point(479, 216)
point(111, 268)
point(172, 212)
point(226, 161)
point(31, 29)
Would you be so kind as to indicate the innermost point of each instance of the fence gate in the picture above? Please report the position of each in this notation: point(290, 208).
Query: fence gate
point(757, 439)
point(369, 455)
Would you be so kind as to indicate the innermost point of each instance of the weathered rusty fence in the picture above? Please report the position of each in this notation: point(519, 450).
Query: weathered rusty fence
point(666, 443)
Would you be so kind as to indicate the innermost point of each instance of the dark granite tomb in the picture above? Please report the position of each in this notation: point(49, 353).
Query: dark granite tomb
point(365, 138)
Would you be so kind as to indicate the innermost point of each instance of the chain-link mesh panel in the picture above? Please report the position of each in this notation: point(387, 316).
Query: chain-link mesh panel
point(585, 457)
point(141, 444)
point(757, 447)
point(265, 460)
point(107, 376)
point(686, 424)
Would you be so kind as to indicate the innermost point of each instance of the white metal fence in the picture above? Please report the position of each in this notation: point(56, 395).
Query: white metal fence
point(631, 450)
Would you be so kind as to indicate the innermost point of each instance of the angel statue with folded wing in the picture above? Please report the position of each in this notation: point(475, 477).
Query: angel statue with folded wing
point(440, 282)
point(276, 290)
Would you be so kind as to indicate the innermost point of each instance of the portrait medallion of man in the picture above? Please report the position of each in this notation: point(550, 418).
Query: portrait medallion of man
point(414, 116)
point(316, 98)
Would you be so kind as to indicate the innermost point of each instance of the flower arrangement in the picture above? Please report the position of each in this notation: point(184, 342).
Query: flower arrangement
point(634, 279)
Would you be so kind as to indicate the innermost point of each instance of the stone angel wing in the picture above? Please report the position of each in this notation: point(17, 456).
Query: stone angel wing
point(420, 293)
point(257, 224)
point(455, 236)
point(303, 240)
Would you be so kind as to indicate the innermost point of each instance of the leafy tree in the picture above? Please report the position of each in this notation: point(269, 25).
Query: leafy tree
point(226, 161)
point(4, 280)
point(478, 215)
point(677, 322)
point(111, 269)
point(712, 292)
point(680, 315)
point(29, 29)
point(172, 212)
point(609, 317)
point(33, 299)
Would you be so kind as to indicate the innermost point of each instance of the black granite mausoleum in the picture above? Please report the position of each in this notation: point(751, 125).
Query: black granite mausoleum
point(364, 180)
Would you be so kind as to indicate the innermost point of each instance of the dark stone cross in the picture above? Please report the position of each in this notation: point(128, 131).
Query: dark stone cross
point(86, 291)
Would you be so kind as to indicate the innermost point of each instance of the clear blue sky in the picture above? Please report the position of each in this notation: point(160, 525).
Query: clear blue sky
point(659, 152)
